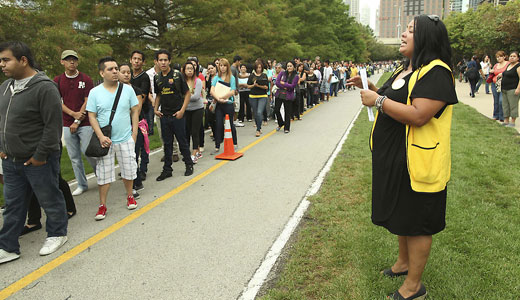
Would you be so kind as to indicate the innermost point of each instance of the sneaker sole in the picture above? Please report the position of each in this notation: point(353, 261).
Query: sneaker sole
point(11, 258)
point(130, 207)
point(99, 217)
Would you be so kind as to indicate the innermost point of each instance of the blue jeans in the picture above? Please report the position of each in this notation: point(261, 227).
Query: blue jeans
point(171, 126)
point(258, 110)
point(76, 144)
point(498, 112)
point(19, 183)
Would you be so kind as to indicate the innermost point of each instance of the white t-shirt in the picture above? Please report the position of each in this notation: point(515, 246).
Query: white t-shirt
point(485, 67)
point(151, 74)
point(318, 74)
point(327, 71)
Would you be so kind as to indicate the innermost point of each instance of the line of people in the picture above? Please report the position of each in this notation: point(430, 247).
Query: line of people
point(183, 100)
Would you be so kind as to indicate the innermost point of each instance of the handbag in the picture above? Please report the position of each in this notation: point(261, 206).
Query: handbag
point(282, 94)
point(334, 79)
point(94, 148)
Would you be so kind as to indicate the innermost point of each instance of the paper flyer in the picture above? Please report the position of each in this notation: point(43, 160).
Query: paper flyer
point(364, 80)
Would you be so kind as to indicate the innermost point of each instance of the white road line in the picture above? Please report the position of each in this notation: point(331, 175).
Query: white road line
point(262, 272)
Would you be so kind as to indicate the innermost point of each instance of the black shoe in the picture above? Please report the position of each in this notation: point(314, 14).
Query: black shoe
point(27, 229)
point(163, 176)
point(391, 274)
point(142, 175)
point(135, 194)
point(162, 158)
point(138, 187)
point(189, 170)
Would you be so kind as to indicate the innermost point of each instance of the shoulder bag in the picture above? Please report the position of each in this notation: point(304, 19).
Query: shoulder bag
point(94, 148)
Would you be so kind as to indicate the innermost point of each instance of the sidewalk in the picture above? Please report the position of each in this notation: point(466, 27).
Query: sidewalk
point(482, 102)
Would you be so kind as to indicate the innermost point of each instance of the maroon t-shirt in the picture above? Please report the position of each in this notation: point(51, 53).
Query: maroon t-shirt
point(74, 91)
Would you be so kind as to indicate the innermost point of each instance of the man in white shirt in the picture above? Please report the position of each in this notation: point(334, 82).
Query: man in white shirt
point(325, 83)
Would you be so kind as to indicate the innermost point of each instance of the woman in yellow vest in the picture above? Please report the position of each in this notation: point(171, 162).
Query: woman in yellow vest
point(410, 142)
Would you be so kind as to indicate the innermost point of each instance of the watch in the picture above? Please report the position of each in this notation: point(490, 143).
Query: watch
point(77, 121)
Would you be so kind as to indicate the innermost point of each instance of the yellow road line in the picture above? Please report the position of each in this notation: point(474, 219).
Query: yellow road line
point(35, 275)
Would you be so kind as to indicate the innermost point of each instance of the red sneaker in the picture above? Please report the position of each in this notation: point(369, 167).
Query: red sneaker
point(102, 211)
point(130, 202)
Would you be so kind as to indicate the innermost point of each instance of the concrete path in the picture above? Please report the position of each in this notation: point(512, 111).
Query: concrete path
point(197, 237)
point(482, 102)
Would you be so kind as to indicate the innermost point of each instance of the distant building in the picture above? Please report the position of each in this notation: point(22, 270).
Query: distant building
point(364, 17)
point(376, 30)
point(495, 2)
point(456, 5)
point(394, 15)
point(353, 9)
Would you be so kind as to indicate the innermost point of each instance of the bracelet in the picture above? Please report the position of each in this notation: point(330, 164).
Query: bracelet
point(379, 103)
point(77, 121)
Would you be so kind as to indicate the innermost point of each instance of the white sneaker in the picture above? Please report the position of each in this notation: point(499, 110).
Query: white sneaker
point(7, 256)
point(78, 191)
point(194, 159)
point(52, 244)
point(239, 124)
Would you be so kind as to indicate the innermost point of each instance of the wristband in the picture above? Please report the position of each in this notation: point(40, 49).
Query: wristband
point(379, 103)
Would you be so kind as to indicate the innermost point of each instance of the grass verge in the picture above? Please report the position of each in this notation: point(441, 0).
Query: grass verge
point(66, 166)
point(339, 253)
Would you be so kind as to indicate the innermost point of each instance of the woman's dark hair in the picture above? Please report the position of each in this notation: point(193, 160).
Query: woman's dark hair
point(126, 64)
point(431, 41)
point(188, 63)
point(19, 49)
point(514, 52)
point(196, 67)
point(258, 63)
point(290, 76)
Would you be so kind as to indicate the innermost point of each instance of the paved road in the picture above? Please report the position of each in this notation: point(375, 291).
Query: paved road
point(202, 242)
point(482, 102)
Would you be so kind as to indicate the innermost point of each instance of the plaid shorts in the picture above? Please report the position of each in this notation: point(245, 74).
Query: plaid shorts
point(105, 167)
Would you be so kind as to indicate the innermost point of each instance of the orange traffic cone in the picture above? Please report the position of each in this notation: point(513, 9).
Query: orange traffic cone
point(229, 148)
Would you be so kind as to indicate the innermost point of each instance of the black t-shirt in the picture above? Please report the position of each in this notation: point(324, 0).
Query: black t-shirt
point(138, 92)
point(261, 80)
point(171, 89)
point(142, 81)
point(510, 78)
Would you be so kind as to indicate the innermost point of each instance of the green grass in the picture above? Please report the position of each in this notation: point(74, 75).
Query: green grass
point(66, 167)
point(383, 78)
point(338, 253)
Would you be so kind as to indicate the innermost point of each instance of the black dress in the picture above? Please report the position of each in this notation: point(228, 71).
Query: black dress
point(395, 205)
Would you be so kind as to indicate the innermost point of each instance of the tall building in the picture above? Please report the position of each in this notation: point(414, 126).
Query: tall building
point(364, 17)
point(353, 8)
point(395, 15)
point(376, 30)
point(495, 2)
point(456, 5)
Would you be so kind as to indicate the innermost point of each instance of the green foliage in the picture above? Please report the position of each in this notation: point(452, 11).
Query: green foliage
point(485, 31)
point(220, 28)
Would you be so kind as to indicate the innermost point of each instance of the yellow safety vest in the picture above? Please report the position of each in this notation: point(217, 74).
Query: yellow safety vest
point(428, 152)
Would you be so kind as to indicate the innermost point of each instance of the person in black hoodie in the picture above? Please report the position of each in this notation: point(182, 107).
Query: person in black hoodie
point(30, 132)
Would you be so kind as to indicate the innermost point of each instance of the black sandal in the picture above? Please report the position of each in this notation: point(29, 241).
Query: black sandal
point(26, 229)
point(420, 295)
point(391, 274)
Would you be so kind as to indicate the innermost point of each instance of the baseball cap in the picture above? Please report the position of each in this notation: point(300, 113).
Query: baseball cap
point(67, 53)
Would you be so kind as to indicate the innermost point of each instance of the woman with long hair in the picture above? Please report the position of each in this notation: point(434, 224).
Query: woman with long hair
point(195, 110)
point(208, 113)
point(510, 89)
point(485, 65)
point(243, 91)
point(225, 103)
point(410, 143)
point(300, 92)
point(287, 82)
point(259, 84)
point(498, 68)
